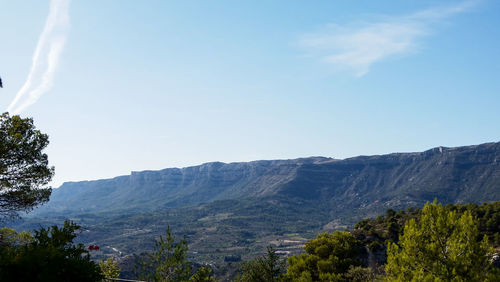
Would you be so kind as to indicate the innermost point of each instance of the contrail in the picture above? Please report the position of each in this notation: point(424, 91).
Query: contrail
point(45, 58)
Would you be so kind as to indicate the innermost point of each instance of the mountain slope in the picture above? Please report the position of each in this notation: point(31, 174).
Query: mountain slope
point(174, 187)
point(367, 183)
point(452, 175)
point(232, 211)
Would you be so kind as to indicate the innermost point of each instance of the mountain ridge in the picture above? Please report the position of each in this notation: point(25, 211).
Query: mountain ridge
point(236, 210)
point(456, 174)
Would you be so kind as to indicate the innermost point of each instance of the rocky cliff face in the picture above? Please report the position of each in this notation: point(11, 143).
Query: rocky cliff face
point(173, 187)
point(452, 175)
point(368, 183)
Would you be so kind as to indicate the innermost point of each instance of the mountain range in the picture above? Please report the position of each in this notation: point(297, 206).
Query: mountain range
point(359, 184)
point(232, 211)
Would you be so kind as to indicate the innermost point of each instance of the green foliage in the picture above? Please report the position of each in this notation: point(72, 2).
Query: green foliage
point(361, 274)
point(374, 232)
point(109, 268)
point(328, 258)
point(488, 217)
point(50, 256)
point(441, 246)
point(168, 262)
point(452, 240)
point(9, 237)
point(204, 274)
point(23, 167)
point(263, 269)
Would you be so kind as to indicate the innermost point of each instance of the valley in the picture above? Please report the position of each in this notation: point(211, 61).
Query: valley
point(231, 212)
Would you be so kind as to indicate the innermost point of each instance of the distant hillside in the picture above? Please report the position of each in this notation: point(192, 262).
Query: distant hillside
point(175, 187)
point(369, 184)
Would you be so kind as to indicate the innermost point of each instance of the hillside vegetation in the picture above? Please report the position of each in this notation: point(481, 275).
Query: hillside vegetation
point(232, 212)
point(437, 242)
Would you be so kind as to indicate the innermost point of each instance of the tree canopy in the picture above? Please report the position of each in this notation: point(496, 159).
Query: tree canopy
point(24, 169)
point(439, 243)
point(50, 255)
point(328, 258)
point(267, 268)
point(440, 246)
point(168, 262)
point(109, 268)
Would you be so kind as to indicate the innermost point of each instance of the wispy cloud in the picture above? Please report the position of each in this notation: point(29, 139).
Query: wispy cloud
point(357, 46)
point(45, 58)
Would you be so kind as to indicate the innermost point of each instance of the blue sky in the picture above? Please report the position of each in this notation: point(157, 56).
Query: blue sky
point(123, 86)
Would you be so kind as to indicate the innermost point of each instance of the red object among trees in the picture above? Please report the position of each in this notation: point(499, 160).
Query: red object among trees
point(94, 248)
point(91, 248)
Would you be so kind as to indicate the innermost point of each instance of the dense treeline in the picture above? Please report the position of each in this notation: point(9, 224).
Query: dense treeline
point(436, 243)
point(48, 255)
point(448, 243)
point(376, 233)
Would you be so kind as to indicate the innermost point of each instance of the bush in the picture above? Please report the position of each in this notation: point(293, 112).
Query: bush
point(51, 256)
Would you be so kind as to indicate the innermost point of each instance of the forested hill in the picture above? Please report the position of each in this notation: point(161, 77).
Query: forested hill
point(368, 184)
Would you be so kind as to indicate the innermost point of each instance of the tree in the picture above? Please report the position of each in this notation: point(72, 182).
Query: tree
point(204, 274)
point(328, 258)
point(440, 246)
point(168, 262)
point(362, 274)
point(9, 237)
point(268, 268)
point(24, 168)
point(109, 268)
point(51, 256)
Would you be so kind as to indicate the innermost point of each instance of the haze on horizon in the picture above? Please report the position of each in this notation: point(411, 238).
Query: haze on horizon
point(124, 86)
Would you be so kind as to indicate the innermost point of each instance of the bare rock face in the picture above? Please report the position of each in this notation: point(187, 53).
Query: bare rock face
point(452, 175)
point(365, 184)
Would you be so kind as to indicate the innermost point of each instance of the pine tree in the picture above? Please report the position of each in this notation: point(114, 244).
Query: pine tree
point(440, 246)
point(268, 268)
point(24, 167)
point(109, 268)
point(328, 258)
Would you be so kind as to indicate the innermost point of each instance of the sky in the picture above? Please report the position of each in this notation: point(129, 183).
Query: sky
point(123, 86)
